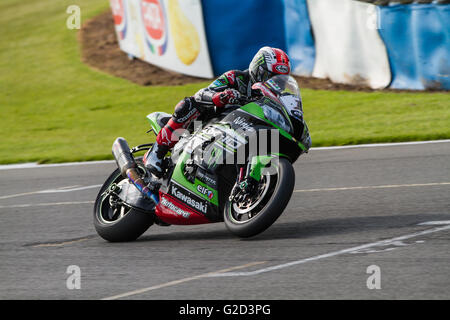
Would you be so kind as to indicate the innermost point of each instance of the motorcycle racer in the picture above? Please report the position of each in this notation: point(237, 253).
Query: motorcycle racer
point(225, 90)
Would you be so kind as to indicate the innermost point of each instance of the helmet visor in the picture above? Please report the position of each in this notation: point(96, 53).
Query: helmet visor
point(263, 74)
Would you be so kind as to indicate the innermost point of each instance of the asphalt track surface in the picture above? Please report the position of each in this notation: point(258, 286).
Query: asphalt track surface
point(352, 208)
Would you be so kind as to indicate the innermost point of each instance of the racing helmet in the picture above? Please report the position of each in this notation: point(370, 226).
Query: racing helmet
point(268, 62)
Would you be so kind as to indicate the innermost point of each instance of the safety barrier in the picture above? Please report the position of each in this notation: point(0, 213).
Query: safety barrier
point(402, 44)
point(417, 37)
point(169, 34)
point(348, 46)
point(299, 37)
point(236, 29)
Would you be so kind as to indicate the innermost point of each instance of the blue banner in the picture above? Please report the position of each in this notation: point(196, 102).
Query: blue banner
point(237, 29)
point(299, 37)
point(417, 37)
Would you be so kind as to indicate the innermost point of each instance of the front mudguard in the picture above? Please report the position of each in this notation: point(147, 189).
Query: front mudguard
point(258, 165)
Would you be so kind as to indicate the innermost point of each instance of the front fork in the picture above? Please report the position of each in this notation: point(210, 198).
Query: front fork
point(250, 175)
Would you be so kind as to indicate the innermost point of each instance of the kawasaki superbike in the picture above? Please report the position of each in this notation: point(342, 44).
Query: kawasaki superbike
point(236, 168)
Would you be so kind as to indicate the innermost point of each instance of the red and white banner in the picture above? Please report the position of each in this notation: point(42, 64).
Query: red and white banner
point(166, 33)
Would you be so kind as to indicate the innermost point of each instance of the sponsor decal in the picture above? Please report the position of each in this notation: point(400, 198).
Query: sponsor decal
point(182, 195)
point(214, 156)
point(205, 191)
point(231, 141)
point(282, 69)
point(230, 137)
point(120, 17)
point(230, 76)
point(155, 25)
point(260, 60)
point(174, 208)
point(205, 178)
point(184, 33)
point(186, 117)
point(219, 83)
point(243, 123)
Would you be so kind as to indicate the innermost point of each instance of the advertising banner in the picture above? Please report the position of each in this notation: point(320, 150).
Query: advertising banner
point(237, 29)
point(349, 48)
point(299, 37)
point(166, 33)
point(417, 37)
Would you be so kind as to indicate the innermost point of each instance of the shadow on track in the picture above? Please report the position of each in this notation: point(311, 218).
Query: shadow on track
point(305, 229)
point(325, 227)
point(188, 235)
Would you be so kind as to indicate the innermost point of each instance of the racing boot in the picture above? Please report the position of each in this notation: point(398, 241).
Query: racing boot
point(154, 159)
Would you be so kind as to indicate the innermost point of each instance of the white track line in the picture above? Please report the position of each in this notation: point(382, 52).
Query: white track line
point(59, 190)
point(34, 165)
point(70, 189)
point(295, 191)
point(434, 223)
point(227, 273)
point(377, 145)
point(172, 283)
point(331, 254)
point(48, 204)
point(377, 187)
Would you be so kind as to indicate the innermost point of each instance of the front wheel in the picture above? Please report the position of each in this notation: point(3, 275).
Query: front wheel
point(254, 213)
point(114, 221)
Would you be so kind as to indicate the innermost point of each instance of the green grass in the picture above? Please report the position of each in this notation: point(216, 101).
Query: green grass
point(53, 108)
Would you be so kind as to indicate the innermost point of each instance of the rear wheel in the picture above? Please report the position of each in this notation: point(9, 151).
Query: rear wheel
point(249, 215)
point(114, 220)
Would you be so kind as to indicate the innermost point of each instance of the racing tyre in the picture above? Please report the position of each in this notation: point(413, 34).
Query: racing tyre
point(114, 221)
point(251, 214)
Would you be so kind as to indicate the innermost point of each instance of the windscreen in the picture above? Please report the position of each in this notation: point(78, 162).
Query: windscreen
point(288, 92)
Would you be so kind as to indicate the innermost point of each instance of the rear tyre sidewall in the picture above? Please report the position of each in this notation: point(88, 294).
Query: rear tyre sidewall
point(129, 227)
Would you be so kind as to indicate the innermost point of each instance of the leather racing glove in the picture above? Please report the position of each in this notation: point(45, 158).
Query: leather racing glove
point(229, 96)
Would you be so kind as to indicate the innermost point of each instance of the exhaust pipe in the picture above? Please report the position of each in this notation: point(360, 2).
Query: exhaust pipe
point(122, 154)
point(128, 167)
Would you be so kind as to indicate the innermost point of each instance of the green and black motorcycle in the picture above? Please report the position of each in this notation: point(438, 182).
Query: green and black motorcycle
point(237, 168)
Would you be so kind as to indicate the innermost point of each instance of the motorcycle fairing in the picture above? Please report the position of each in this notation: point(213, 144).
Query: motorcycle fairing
point(173, 211)
point(205, 153)
point(158, 120)
point(194, 197)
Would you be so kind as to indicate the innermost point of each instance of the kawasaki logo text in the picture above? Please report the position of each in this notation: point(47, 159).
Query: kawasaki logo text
point(201, 206)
